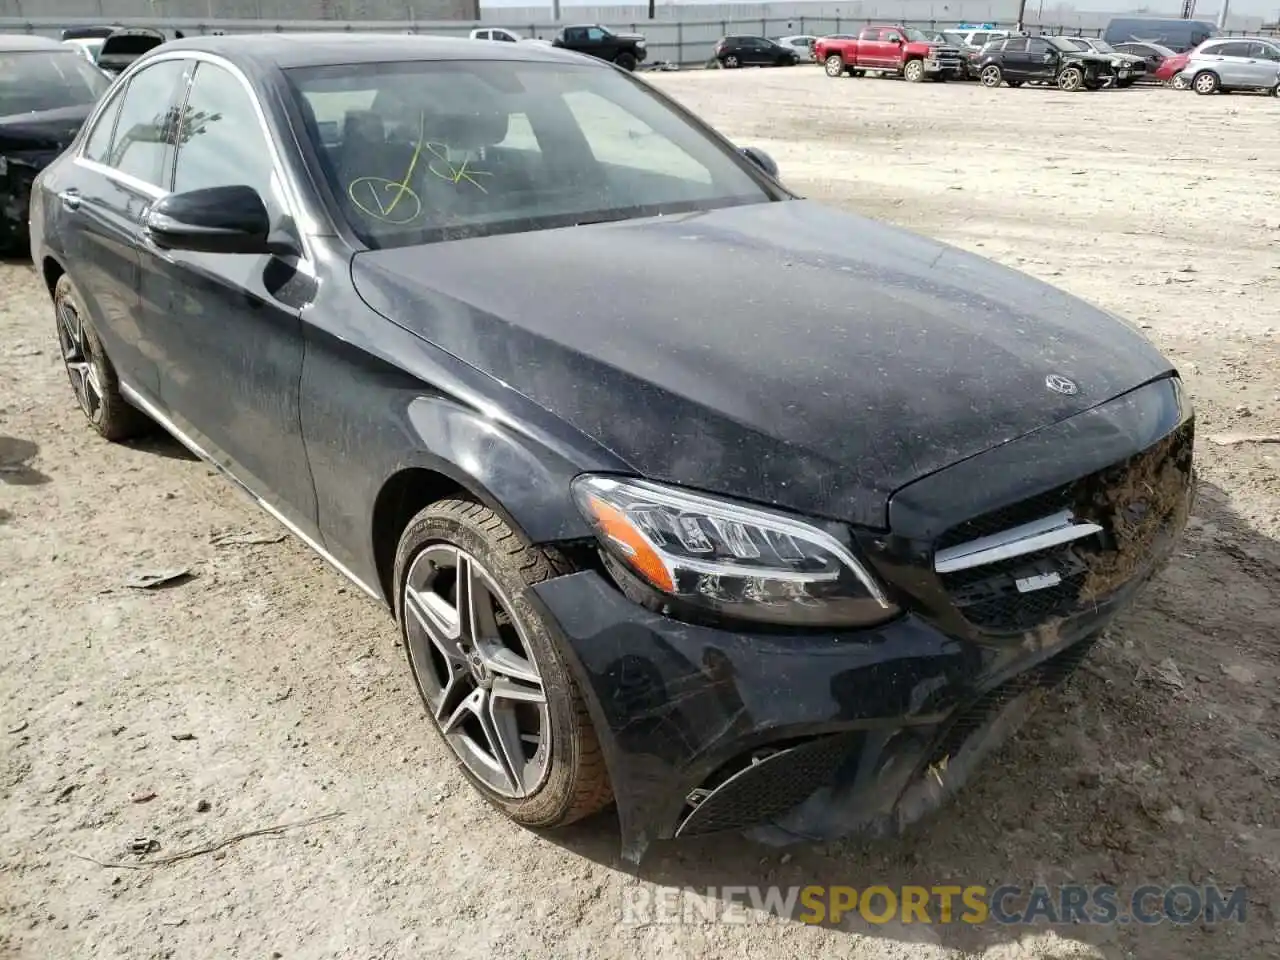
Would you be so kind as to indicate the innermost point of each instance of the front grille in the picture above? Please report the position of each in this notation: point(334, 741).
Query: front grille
point(947, 56)
point(1137, 503)
point(766, 788)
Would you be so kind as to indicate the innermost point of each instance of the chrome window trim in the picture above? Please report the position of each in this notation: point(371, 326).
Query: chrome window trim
point(1050, 531)
point(292, 201)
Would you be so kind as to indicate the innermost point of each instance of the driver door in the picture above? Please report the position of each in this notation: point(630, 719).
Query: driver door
point(227, 327)
point(1041, 59)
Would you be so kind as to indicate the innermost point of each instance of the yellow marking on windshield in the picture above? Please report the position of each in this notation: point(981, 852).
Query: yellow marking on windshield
point(385, 210)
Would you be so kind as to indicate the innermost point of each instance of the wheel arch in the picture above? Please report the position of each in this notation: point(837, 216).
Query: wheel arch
point(51, 270)
point(460, 454)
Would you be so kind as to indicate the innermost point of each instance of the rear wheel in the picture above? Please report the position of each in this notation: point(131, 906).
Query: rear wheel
point(1179, 82)
point(93, 378)
point(834, 66)
point(488, 668)
point(1205, 83)
point(990, 76)
point(730, 62)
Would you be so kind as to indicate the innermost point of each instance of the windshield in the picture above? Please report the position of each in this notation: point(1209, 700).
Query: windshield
point(32, 81)
point(916, 36)
point(956, 38)
point(416, 152)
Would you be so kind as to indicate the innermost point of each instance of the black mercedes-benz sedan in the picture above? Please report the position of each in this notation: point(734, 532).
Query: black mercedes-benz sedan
point(46, 91)
point(685, 492)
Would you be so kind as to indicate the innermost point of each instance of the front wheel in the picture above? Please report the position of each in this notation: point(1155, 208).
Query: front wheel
point(990, 76)
point(913, 71)
point(834, 66)
point(627, 61)
point(1071, 79)
point(488, 668)
point(93, 378)
point(1205, 83)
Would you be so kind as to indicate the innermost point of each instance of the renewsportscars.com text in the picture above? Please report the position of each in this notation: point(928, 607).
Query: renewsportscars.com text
point(945, 903)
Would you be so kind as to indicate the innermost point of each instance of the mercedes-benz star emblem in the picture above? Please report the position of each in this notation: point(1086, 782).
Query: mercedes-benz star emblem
point(1060, 384)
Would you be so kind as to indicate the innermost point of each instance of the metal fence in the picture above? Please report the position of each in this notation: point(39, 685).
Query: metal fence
point(687, 43)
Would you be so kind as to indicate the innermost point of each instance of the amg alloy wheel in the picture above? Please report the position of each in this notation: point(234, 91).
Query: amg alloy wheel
point(990, 76)
point(93, 379)
point(834, 66)
point(1071, 79)
point(488, 669)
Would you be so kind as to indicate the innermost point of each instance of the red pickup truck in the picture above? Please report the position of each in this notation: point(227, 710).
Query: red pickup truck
point(905, 51)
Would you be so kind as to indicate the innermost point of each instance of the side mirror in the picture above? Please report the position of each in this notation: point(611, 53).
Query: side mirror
point(761, 160)
point(212, 220)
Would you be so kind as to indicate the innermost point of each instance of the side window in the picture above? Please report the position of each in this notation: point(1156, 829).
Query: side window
point(1233, 50)
point(595, 34)
point(1263, 51)
point(869, 34)
point(221, 142)
point(890, 35)
point(1038, 47)
point(143, 143)
point(979, 39)
point(98, 145)
point(1016, 46)
point(482, 35)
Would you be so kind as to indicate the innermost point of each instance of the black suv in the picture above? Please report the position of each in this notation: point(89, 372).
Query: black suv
point(733, 52)
point(624, 49)
point(1019, 60)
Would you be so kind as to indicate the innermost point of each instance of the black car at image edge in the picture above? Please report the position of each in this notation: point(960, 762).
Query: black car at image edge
point(686, 493)
point(47, 89)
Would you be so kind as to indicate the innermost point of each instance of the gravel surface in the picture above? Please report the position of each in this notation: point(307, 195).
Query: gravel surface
point(264, 691)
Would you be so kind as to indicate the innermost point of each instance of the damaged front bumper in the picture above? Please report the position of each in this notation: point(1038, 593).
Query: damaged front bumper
point(813, 736)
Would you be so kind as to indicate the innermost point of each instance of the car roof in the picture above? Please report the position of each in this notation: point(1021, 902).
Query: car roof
point(15, 42)
point(287, 50)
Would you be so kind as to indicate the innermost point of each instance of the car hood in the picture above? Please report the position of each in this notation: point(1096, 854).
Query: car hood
point(782, 352)
point(45, 130)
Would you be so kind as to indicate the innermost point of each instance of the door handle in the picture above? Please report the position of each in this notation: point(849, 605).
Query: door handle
point(70, 199)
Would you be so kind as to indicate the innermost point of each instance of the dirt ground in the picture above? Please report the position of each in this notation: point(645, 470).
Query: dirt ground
point(265, 691)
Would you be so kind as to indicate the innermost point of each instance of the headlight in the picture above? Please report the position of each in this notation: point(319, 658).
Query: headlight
point(737, 560)
point(640, 44)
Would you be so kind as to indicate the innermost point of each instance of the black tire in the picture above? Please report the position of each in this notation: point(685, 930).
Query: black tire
point(627, 61)
point(1206, 82)
point(857, 73)
point(1071, 79)
point(834, 66)
point(1126, 83)
point(1014, 83)
point(913, 71)
point(991, 76)
point(576, 783)
point(93, 378)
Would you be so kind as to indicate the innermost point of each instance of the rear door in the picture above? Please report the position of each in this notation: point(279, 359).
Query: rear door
point(1040, 61)
point(102, 197)
point(227, 327)
point(1227, 60)
point(1014, 60)
point(868, 51)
